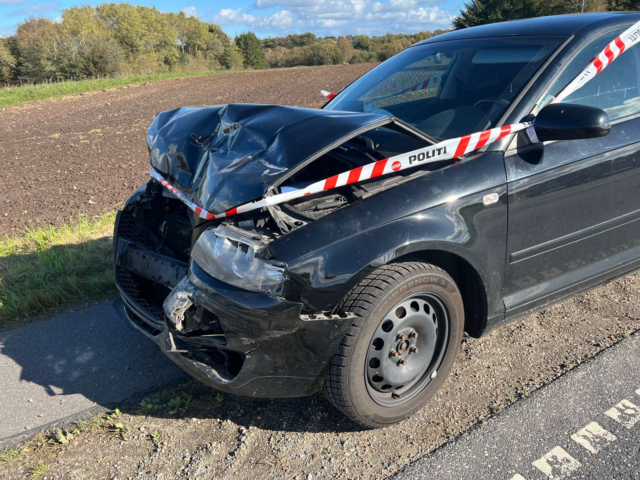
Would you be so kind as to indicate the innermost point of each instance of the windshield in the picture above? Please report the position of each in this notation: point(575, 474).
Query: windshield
point(452, 88)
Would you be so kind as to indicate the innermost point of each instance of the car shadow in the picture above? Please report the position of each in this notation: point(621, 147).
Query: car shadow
point(92, 357)
point(313, 414)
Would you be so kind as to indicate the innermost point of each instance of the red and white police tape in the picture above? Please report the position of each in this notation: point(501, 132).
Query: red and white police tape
point(447, 150)
point(328, 95)
point(622, 42)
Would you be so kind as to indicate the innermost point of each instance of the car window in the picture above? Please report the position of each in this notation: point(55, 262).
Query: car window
point(418, 80)
point(451, 88)
point(616, 89)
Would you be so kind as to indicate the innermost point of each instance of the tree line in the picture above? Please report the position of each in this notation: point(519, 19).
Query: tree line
point(308, 49)
point(109, 40)
point(481, 12)
point(121, 39)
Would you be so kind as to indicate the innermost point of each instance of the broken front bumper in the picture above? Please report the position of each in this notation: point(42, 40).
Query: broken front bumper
point(251, 344)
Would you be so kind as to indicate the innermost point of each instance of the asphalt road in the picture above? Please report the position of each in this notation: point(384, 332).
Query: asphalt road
point(72, 365)
point(585, 425)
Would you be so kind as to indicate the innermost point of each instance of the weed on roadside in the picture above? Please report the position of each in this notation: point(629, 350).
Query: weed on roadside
point(11, 453)
point(62, 437)
point(171, 402)
point(38, 470)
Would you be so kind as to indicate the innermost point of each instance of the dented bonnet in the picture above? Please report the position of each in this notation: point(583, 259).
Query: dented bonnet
point(223, 156)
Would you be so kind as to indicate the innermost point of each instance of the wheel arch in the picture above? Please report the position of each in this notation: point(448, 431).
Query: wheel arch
point(468, 280)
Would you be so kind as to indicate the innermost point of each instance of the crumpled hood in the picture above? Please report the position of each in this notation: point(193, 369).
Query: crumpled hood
point(225, 156)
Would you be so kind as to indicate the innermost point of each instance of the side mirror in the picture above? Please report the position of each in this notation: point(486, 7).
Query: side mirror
point(566, 121)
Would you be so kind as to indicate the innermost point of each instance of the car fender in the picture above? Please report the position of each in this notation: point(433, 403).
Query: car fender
point(441, 211)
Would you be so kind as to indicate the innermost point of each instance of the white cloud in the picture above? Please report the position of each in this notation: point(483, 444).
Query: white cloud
point(338, 17)
point(288, 3)
point(35, 10)
point(281, 19)
point(191, 12)
point(12, 2)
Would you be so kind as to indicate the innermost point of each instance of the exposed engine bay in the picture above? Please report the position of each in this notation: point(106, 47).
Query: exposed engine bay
point(221, 157)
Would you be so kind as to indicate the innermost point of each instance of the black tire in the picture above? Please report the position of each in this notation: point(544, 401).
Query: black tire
point(347, 386)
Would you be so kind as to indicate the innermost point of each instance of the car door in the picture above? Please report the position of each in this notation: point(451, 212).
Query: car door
point(574, 206)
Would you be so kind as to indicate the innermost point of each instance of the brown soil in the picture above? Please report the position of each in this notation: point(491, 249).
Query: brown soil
point(87, 153)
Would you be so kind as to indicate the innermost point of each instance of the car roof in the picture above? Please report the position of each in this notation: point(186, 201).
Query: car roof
point(567, 25)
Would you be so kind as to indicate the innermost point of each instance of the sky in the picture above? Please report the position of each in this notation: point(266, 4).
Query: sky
point(270, 18)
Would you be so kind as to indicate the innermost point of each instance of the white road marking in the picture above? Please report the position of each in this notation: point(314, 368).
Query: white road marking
point(625, 413)
point(638, 391)
point(593, 437)
point(557, 464)
point(517, 476)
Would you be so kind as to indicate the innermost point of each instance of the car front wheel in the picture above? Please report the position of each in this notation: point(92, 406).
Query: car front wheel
point(400, 347)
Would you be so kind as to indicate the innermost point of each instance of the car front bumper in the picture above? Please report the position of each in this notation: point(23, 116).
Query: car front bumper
point(259, 345)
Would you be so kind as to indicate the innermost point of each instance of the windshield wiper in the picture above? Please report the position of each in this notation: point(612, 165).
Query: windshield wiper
point(415, 131)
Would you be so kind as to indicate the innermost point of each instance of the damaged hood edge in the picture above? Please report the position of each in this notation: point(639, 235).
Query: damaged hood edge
point(224, 156)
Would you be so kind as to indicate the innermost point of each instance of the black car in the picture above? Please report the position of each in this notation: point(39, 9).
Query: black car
point(364, 290)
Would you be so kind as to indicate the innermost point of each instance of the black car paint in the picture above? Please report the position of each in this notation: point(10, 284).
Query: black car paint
point(571, 122)
point(228, 155)
point(568, 192)
point(331, 255)
point(550, 196)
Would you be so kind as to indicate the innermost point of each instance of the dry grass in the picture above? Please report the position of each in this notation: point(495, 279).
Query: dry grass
point(19, 95)
point(51, 267)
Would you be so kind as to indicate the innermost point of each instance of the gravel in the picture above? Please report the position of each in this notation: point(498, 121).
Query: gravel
point(222, 436)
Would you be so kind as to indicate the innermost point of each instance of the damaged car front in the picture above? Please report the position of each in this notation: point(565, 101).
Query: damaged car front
point(213, 293)
point(274, 301)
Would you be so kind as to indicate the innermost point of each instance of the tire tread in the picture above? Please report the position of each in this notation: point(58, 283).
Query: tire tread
point(361, 300)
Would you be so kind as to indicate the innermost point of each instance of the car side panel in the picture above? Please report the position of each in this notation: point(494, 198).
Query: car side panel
point(574, 214)
point(439, 211)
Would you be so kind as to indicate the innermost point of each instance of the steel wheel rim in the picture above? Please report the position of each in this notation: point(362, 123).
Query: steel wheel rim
point(407, 349)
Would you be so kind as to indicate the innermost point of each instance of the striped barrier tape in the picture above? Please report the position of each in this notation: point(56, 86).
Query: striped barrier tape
point(327, 94)
point(621, 43)
point(446, 150)
point(433, 81)
point(201, 212)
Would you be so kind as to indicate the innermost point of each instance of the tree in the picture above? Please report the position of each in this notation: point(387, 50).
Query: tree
point(290, 41)
point(39, 47)
point(345, 46)
point(482, 12)
point(252, 51)
point(83, 22)
point(192, 35)
point(623, 5)
point(145, 34)
point(100, 57)
point(325, 52)
point(7, 63)
point(361, 42)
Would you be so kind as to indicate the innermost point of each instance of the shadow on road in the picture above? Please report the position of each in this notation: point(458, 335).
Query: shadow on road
point(54, 369)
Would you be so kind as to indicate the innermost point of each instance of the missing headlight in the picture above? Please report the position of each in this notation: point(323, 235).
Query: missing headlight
point(233, 258)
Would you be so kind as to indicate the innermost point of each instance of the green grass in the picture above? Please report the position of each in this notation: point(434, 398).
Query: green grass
point(38, 470)
point(48, 268)
point(18, 95)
